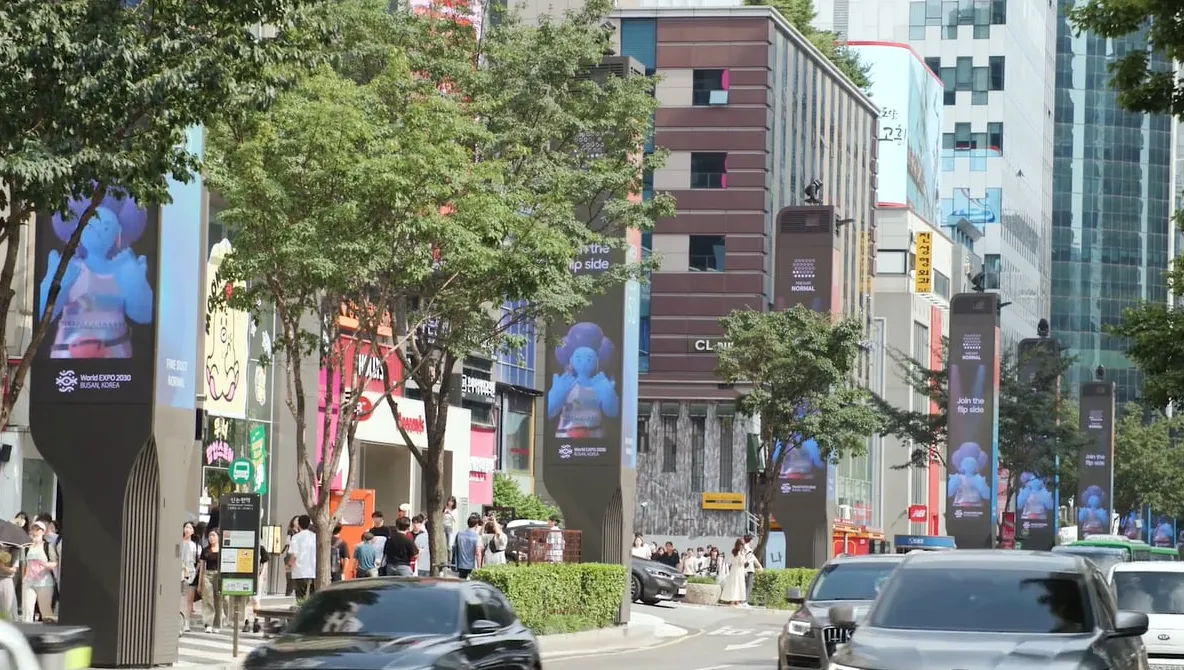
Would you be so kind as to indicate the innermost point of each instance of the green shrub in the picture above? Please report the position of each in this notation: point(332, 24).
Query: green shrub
point(769, 586)
point(700, 579)
point(560, 597)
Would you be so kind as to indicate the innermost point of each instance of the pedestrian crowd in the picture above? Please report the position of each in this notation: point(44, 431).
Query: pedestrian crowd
point(732, 569)
point(30, 573)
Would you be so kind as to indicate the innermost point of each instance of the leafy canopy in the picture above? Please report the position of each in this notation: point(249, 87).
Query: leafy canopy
point(1037, 423)
point(1145, 81)
point(507, 493)
point(98, 96)
point(1148, 469)
point(801, 15)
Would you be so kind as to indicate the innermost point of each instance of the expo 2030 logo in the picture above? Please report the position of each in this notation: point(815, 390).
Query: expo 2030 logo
point(565, 451)
point(67, 381)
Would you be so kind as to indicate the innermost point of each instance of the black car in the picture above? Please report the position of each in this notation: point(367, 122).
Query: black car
point(808, 639)
point(653, 581)
point(402, 623)
point(979, 610)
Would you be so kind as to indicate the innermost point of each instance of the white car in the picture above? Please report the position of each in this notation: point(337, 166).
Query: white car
point(1155, 588)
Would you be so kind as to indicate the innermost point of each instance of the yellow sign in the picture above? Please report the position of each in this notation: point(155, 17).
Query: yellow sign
point(723, 501)
point(923, 269)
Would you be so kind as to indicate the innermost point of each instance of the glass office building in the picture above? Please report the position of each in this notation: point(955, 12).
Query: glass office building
point(1111, 207)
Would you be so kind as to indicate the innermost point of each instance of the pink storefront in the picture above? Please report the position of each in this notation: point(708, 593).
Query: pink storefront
point(482, 463)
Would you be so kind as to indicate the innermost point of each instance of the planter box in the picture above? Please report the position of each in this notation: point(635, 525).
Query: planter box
point(703, 594)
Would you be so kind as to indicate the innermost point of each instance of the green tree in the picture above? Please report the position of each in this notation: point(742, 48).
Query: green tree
point(97, 97)
point(1144, 78)
point(507, 493)
point(801, 15)
point(797, 367)
point(1037, 425)
point(426, 193)
point(1148, 469)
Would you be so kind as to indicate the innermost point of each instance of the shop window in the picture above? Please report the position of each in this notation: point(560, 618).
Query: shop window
point(706, 253)
point(482, 413)
point(709, 169)
point(517, 429)
point(709, 88)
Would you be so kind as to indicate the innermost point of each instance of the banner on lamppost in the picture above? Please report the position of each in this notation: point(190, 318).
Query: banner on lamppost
point(1095, 480)
point(972, 453)
point(1036, 492)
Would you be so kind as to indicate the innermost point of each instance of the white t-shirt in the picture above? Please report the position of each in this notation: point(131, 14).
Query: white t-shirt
point(555, 546)
point(303, 547)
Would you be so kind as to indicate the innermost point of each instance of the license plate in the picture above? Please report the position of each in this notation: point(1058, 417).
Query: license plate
point(683, 591)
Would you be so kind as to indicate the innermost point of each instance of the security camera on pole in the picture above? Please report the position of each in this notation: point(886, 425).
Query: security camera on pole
point(1095, 487)
point(1037, 493)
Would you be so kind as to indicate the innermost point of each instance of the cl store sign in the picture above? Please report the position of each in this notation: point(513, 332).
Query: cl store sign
point(708, 345)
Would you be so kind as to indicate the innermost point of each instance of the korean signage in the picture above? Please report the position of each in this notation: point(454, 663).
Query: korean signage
point(1095, 479)
point(475, 389)
point(239, 516)
point(972, 454)
point(923, 271)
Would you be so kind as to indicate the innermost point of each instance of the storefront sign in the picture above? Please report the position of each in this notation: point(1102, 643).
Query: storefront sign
point(477, 389)
point(708, 345)
point(480, 468)
point(918, 513)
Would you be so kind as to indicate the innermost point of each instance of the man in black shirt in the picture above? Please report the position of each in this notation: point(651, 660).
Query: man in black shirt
point(667, 555)
point(400, 550)
point(380, 528)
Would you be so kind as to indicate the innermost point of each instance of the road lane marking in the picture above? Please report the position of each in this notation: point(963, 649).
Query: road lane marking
point(715, 667)
point(760, 639)
point(559, 657)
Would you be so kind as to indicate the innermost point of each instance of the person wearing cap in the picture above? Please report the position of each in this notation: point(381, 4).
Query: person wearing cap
point(41, 558)
point(404, 511)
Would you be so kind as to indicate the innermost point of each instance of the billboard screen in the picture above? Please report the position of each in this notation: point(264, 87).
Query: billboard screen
point(976, 207)
point(1035, 493)
point(100, 343)
point(909, 96)
point(972, 455)
point(1095, 479)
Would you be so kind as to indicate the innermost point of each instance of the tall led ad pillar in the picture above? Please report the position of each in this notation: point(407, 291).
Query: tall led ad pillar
point(1035, 497)
point(1095, 479)
point(590, 435)
point(121, 344)
point(972, 443)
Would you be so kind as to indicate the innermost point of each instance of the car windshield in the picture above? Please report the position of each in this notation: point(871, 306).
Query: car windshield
point(1150, 592)
point(1103, 557)
point(987, 600)
point(408, 608)
point(853, 580)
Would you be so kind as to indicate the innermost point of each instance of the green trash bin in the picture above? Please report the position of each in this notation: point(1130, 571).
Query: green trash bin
point(58, 647)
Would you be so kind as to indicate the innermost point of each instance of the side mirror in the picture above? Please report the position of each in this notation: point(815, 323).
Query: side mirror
point(793, 596)
point(1129, 624)
point(484, 627)
point(842, 616)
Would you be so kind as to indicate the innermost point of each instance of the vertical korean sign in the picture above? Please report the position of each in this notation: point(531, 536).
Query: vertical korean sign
point(923, 279)
point(239, 515)
point(972, 453)
point(1095, 479)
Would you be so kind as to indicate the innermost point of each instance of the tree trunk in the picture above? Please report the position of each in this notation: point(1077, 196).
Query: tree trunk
point(434, 487)
point(320, 525)
point(764, 500)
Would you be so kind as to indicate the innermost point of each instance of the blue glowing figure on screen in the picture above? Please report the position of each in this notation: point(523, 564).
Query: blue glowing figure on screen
point(968, 487)
point(583, 395)
point(1034, 499)
point(1129, 526)
point(105, 285)
point(1164, 532)
point(1093, 517)
point(802, 461)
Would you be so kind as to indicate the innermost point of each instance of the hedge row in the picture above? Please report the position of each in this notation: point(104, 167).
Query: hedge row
point(769, 586)
point(560, 597)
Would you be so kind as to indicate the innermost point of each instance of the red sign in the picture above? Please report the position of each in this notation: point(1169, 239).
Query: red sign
point(918, 513)
point(412, 424)
point(364, 408)
point(372, 362)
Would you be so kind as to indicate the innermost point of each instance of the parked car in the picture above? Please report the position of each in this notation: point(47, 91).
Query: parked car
point(1157, 590)
point(402, 623)
point(808, 638)
point(992, 609)
point(653, 582)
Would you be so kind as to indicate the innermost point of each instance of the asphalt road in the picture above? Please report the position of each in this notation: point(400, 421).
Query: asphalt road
point(719, 638)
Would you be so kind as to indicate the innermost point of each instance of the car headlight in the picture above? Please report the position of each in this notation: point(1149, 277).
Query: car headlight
point(800, 628)
point(658, 573)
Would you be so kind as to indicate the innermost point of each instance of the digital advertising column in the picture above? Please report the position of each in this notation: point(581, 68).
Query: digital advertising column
point(972, 446)
point(1095, 480)
point(93, 389)
point(590, 434)
point(807, 251)
point(1036, 493)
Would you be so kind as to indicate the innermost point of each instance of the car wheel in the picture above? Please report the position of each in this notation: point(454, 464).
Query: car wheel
point(635, 588)
point(652, 601)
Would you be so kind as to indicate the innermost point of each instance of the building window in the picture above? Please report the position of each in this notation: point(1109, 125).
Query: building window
point(891, 262)
point(517, 431)
point(698, 452)
point(941, 284)
point(647, 185)
point(643, 344)
point(726, 453)
point(964, 73)
point(709, 88)
point(962, 137)
point(643, 427)
point(995, 137)
point(669, 442)
point(934, 65)
point(998, 12)
point(992, 269)
point(948, 76)
point(949, 32)
point(995, 65)
point(709, 170)
point(706, 253)
point(979, 79)
point(481, 413)
point(947, 152)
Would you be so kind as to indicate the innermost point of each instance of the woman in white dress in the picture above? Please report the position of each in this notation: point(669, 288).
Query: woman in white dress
point(495, 542)
point(734, 592)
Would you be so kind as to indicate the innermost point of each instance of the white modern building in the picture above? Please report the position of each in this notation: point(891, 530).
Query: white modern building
point(995, 59)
